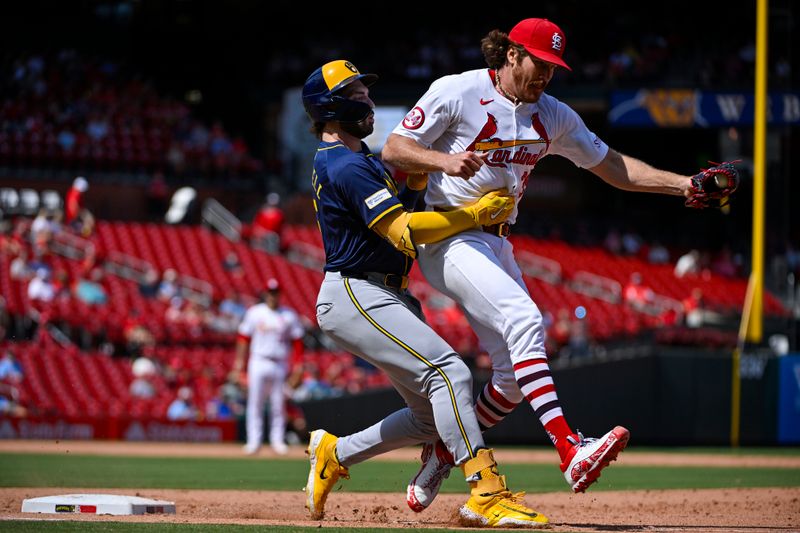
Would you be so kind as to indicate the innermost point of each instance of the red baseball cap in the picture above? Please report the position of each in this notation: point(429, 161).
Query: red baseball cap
point(273, 285)
point(542, 39)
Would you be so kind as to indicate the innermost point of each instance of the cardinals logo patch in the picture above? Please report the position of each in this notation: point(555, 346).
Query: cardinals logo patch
point(414, 119)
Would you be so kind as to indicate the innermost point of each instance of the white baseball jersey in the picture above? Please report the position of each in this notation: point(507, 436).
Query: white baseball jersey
point(270, 332)
point(464, 112)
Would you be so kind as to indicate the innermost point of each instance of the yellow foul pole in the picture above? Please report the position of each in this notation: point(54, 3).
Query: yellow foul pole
point(751, 327)
point(754, 324)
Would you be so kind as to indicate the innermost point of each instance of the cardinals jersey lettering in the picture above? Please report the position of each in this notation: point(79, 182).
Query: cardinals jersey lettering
point(464, 112)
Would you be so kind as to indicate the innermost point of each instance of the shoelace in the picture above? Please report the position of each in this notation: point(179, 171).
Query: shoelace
point(514, 499)
point(582, 441)
point(443, 472)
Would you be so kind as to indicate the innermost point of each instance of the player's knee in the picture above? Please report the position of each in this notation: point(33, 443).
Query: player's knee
point(453, 372)
point(458, 373)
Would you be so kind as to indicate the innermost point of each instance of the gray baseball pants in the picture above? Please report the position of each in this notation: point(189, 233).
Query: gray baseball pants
point(386, 328)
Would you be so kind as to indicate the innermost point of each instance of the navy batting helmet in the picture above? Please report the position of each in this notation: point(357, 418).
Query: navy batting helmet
point(320, 97)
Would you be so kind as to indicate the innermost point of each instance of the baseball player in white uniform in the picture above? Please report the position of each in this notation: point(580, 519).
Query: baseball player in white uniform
point(268, 329)
point(482, 130)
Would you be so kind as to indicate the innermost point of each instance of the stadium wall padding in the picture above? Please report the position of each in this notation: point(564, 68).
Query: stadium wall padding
point(674, 397)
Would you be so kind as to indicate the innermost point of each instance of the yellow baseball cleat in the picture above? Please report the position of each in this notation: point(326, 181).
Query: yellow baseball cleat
point(501, 509)
point(324, 473)
point(491, 503)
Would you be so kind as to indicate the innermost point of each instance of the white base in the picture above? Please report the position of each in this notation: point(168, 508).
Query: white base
point(97, 504)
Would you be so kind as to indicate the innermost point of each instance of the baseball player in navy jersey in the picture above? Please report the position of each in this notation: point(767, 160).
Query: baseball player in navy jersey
point(483, 130)
point(371, 235)
point(268, 329)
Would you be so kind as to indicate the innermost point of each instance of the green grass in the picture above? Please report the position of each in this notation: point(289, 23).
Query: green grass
point(65, 526)
point(777, 451)
point(82, 471)
point(79, 471)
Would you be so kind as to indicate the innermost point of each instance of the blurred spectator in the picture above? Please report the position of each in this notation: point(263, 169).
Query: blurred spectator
point(217, 408)
point(5, 318)
point(11, 374)
point(579, 340)
point(182, 407)
point(142, 387)
point(631, 242)
point(76, 215)
point(97, 127)
point(157, 194)
point(268, 224)
point(311, 386)
point(234, 393)
point(613, 242)
point(693, 308)
point(688, 263)
point(10, 242)
point(230, 313)
point(40, 288)
point(10, 369)
point(194, 317)
point(136, 335)
point(174, 313)
point(168, 288)
point(144, 370)
point(658, 254)
point(9, 402)
point(91, 291)
point(232, 265)
point(45, 226)
point(725, 264)
point(561, 328)
point(19, 268)
point(61, 284)
point(186, 313)
point(636, 295)
point(150, 283)
point(233, 306)
point(792, 254)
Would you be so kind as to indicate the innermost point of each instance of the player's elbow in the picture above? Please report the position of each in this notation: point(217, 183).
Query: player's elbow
point(398, 150)
point(390, 152)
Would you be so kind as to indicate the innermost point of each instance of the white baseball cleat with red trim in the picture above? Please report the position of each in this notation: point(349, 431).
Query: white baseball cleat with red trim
point(436, 465)
point(588, 457)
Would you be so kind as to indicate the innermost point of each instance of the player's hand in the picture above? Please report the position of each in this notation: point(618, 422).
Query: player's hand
point(463, 164)
point(493, 207)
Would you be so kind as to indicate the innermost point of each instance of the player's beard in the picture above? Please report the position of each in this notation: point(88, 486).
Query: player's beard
point(360, 129)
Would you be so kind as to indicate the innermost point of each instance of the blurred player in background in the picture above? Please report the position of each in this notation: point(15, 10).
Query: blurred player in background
point(76, 215)
point(478, 131)
point(269, 330)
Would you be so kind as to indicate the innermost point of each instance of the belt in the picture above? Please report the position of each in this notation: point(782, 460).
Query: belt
point(275, 359)
point(393, 281)
point(500, 230)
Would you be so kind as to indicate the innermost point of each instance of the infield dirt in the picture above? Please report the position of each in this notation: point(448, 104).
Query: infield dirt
point(713, 510)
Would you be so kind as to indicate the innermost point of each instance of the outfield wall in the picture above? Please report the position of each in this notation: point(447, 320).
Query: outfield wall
point(73, 428)
point(672, 397)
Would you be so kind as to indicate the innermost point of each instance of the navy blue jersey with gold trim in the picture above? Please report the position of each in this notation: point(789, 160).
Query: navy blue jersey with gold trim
point(352, 191)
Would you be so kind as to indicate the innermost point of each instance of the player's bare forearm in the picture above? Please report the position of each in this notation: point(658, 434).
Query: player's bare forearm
point(631, 174)
point(409, 156)
point(241, 353)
